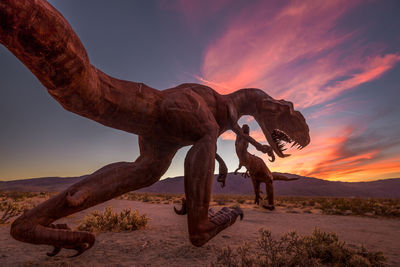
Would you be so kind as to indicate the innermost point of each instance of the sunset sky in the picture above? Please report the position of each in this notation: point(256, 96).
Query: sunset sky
point(337, 61)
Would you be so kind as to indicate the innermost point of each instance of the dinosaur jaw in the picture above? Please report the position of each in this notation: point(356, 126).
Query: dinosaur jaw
point(278, 139)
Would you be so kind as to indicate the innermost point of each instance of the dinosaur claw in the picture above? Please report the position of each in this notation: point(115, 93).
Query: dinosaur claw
point(55, 251)
point(269, 207)
point(183, 210)
point(239, 212)
point(80, 249)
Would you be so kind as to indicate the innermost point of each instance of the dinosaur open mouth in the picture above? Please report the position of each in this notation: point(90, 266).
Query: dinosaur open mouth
point(281, 138)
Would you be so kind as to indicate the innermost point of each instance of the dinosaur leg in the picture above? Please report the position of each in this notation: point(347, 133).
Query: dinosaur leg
point(256, 186)
point(238, 168)
point(35, 226)
point(269, 187)
point(199, 170)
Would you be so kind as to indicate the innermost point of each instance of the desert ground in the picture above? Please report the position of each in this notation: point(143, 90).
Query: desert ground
point(165, 241)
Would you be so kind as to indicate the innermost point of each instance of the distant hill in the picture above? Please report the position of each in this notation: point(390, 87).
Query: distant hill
point(236, 184)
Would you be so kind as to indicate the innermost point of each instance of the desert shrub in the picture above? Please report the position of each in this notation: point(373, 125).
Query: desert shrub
point(17, 196)
point(360, 206)
point(11, 209)
point(222, 199)
point(241, 200)
point(151, 197)
point(220, 202)
point(235, 205)
point(345, 206)
point(127, 220)
point(318, 249)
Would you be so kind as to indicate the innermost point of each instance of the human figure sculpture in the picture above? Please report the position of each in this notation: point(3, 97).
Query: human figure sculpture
point(256, 168)
point(189, 114)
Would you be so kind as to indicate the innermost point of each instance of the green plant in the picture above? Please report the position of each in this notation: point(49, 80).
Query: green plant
point(126, 220)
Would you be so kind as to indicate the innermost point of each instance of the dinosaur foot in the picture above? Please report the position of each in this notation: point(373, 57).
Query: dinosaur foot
point(79, 249)
point(85, 241)
point(221, 179)
point(268, 207)
point(226, 216)
point(58, 235)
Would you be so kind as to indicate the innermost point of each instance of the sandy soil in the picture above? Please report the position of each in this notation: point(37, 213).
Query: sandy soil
point(166, 242)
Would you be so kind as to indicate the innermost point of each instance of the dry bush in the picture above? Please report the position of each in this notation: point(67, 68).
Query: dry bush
point(11, 209)
point(337, 206)
point(15, 203)
point(360, 206)
point(126, 220)
point(152, 197)
point(17, 196)
point(318, 249)
point(345, 206)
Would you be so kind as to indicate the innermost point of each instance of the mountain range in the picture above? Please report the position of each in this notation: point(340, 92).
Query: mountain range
point(236, 184)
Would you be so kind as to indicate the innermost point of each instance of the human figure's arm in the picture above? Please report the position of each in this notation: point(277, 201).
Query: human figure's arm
point(260, 147)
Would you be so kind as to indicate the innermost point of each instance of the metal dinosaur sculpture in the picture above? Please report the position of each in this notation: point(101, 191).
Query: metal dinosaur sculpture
point(256, 168)
point(189, 114)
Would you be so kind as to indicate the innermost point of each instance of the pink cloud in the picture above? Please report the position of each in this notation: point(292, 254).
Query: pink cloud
point(295, 53)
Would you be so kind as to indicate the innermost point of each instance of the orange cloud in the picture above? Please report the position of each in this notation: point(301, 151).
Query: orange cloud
point(328, 157)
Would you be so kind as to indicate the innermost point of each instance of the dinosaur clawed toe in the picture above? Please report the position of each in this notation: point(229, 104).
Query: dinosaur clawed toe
point(226, 216)
point(55, 251)
point(81, 248)
point(268, 207)
point(84, 241)
point(183, 210)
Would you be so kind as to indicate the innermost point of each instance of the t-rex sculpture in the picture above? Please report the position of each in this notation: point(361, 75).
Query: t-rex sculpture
point(189, 114)
point(256, 168)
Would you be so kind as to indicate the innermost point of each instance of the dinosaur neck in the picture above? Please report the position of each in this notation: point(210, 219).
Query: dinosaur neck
point(244, 101)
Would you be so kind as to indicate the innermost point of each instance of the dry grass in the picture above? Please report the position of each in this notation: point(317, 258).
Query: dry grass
point(318, 249)
point(10, 210)
point(369, 207)
point(155, 198)
point(126, 220)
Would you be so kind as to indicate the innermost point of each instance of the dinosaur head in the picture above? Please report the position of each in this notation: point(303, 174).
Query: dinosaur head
point(281, 124)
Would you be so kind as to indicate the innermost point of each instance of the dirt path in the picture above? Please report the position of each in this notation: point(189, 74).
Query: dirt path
point(166, 242)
